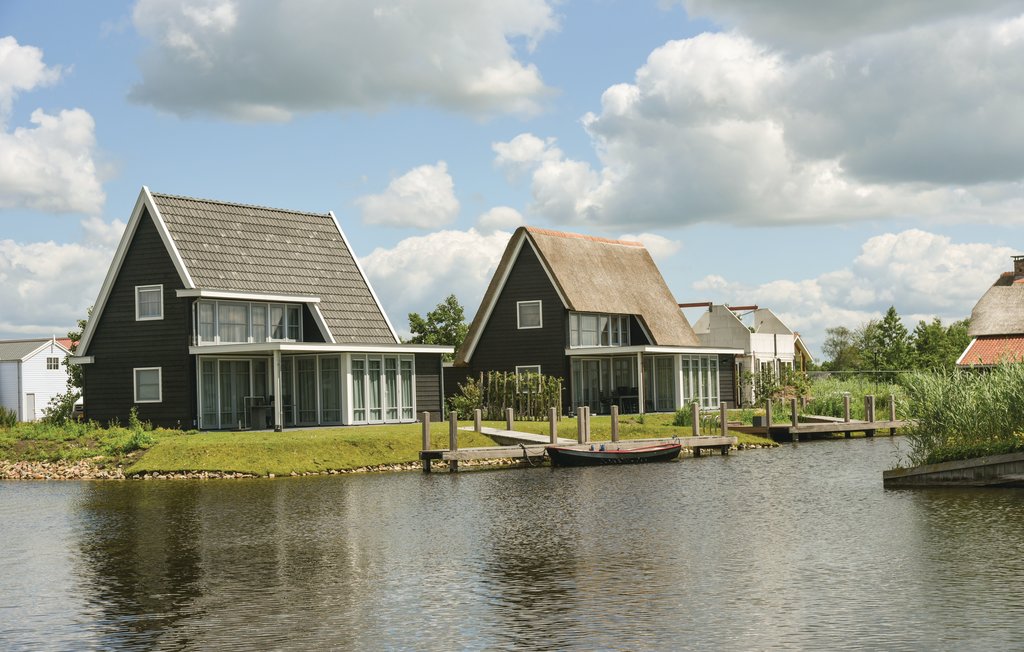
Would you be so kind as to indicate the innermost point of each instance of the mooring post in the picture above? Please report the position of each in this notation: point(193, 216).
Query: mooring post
point(723, 416)
point(869, 414)
point(768, 417)
point(794, 421)
point(426, 441)
point(477, 418)
point(846, 411)
point(509, 414)
point(615, 423)
point(586, 422)
point(892, 413)
point(553, 425)
point(581, 415)
point(695, 408)
point(453, 438)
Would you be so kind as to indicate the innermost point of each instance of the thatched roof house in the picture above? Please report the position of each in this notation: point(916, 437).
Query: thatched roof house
point(997, 322)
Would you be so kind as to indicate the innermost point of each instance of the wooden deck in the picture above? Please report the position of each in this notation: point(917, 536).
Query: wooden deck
point(821, 426)
point(992, 471)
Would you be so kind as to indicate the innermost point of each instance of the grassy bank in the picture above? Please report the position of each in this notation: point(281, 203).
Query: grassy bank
point(965, 414)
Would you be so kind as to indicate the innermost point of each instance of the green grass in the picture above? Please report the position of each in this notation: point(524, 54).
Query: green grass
point(296, 451)
point(42, 442)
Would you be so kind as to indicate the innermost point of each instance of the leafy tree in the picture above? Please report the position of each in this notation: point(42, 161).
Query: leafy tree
point(60, 407)
point(887, 343)
point(842, 349)
point(445, 324)
point(938, 347)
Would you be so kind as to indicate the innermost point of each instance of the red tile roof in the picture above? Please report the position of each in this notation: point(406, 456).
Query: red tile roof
point(993, 349)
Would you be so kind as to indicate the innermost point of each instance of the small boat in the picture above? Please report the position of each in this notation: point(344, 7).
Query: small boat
point(568, 456)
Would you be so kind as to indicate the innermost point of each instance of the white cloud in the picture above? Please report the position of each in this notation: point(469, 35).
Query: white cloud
point(21, 69)
point(719, 127)
point(423, 197)
point(812, 24)
point(922, 274)
point(51, 167)
point(658, 246)
point(267, 59)
point(499, 218)
point(418, 272)
point(45, 287)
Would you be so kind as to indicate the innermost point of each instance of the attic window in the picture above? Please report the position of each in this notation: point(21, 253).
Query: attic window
point(53, 363)
point(149, 302)
point(529, 314)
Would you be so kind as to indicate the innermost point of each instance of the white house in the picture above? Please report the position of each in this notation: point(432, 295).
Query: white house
point(767, 342)
point(31, 373)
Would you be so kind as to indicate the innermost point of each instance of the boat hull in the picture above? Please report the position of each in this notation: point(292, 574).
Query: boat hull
point(563, 456)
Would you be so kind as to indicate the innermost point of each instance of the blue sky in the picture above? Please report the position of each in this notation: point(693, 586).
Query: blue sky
point(814, 158)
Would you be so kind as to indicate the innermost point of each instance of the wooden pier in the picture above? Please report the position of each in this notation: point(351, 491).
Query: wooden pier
point(810, 426)
point(532, 448)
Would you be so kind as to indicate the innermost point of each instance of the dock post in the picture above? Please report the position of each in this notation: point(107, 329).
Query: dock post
point(426, 440)
point(509, 417)
point(846, 411)
point(553, 425)
point(477, 417)
point(581, 416)
point(586, 423)
point(453, 438)
point(723, 416)
point(794, 420)
point(892, 413)
point(615, 423)
point(695, 407)
point(869, 413)
point(768, 418)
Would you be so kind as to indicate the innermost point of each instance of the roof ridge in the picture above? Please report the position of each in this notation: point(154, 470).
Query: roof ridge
point(30, 339)
point(238, 204)
point(580, 236)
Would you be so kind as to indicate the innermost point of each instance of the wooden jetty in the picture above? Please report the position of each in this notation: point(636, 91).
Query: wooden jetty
point(533, 448)
point(990, 471)
point(809, 426)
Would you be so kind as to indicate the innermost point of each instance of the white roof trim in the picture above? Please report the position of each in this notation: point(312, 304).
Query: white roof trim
point(488, 309)
point(318, 317)
point(654, 349)
point(366, 280)
point(960, 360)
point(81, 359)
point(316, 347)
point(145, 201)
point(247, 296)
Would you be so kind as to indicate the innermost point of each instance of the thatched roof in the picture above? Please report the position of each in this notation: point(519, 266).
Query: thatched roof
point(1000, 310)
point(594, 275)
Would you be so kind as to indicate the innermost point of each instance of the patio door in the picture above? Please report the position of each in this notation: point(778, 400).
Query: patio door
point(234, 388)
point(305, 384)
point(588, 384)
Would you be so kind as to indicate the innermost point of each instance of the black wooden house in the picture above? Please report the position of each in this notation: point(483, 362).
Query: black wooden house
point(216, 315)
point(598, 314)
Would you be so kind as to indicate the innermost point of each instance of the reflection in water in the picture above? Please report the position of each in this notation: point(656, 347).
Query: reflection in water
point(797, 548)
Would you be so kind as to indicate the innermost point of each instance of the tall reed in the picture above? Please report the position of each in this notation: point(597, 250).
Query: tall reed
point(963, 414)
point(827, 397)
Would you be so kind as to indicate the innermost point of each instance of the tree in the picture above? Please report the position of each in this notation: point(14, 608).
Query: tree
point(61, 406)
point(938, 347)
point(842, 349)
point(887, 343)
point(445, 324)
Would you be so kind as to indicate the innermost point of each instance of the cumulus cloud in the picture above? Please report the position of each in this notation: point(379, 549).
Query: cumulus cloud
point(499, 218)
point(423, 197)
point(658, 246)
point(418, 272)
point(922, 274)
point(45, 287)
point(50, 165)
point(811, 24)
point(267, 59)
point(720, 127)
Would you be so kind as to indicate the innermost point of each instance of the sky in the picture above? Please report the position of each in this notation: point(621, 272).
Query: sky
point(824, 160)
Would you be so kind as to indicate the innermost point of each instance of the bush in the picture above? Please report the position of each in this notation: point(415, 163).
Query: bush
point(8, 417)
point(529, 395)
point(682, 417)
point(59, 410)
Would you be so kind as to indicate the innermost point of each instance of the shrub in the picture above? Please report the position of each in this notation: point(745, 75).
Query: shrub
point(681, 417)
point(58, 411)
point(530, 395)
point(8, 417)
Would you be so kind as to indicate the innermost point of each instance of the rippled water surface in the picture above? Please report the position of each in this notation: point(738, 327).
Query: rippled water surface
point(793, 548)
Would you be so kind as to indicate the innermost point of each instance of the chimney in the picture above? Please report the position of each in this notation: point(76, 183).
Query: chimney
point(1018, 267)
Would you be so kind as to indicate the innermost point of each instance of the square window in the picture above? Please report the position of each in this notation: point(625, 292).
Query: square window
point(147, 385)
point(529, 314)
point(149, 302)
point(53, 363)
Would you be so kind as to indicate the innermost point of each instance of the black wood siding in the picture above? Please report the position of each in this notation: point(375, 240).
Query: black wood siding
point(503, 345)
point(428, 385)
point(636, 332)
point(120, 343)
point(727, 380)
point(310, 331)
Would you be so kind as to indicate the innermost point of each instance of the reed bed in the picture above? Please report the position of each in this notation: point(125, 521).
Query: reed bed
point(826, 398)
point(965, 414)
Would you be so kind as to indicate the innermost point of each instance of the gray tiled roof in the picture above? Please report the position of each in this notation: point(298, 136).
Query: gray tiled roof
point(255, 249)
point(18, 349)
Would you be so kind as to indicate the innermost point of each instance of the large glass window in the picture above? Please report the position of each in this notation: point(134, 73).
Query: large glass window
point(305, 376)
point(700, 379)
point(330, 389)
point(259, 322)
point(391, 387)
point(294, 315)
point(382, 388)
point(359, 389)
point(598, 330)
point(207, 321)
point(375, 398)
point(407, 408)
point(243, 321)
point(277, 323)
point(208, 395)
point(233, 322)
point(665, 382)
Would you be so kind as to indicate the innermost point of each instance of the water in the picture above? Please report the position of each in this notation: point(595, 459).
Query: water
point(798, 548)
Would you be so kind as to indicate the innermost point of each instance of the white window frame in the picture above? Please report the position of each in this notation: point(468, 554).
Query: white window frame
point(147, 288)
point(519, 314)
point(159, 384)
point(55, 361)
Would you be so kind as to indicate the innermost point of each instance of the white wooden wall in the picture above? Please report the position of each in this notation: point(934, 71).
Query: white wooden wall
point(9, 386)
point(44, 383)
